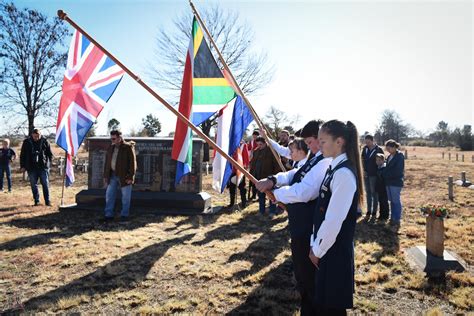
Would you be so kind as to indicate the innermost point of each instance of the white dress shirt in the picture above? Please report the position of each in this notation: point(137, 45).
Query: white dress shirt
point(281, 150)
point(343, 187)
point(304, 191)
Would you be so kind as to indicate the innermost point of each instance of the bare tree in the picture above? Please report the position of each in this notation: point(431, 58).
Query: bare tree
point(391, 126)
point(33, 60)
point(234, 39)
point(277, 120)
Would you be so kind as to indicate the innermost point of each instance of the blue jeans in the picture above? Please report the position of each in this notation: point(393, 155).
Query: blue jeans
point(371, 193)
point(43, 176)
point(6, 169)
point(111, 193)
point(261, 204)
point(393, 194)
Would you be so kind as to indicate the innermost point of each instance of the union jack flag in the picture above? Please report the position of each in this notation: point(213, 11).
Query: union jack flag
point(89, 81)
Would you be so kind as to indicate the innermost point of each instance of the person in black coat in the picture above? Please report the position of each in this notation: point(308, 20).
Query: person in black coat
point(35, 158)
point(7, 155)
point(369, 152)
point(381, 188)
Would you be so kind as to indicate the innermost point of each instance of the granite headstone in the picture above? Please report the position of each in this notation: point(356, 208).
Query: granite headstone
point(155, 177)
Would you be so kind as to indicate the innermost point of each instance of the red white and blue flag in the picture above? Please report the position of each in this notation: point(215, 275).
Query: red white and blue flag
point(232, 123)
point(89, 81)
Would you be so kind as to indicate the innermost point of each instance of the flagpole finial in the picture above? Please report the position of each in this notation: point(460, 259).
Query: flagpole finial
point(61, 14)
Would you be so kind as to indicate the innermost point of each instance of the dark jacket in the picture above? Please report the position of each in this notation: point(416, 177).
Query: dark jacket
point(263, 163)
point(126, 164)
point(35, 155)
point(394, 170)
point(380, 182)
point(368, 159)
point(6, 156)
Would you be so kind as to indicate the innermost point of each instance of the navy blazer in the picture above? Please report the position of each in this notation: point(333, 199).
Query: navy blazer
point(394, 170)
point(368, 163)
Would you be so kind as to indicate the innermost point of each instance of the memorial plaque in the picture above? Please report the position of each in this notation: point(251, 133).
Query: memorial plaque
point(154, 180)
point(156, 170)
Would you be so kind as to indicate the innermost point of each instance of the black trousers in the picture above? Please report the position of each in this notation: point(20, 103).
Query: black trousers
point(383, 202)
point(242, 189)
point(304, 272)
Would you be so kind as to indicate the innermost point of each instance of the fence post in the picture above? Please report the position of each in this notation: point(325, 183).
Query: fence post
point(472, 158)
point(442, 154)
point(450, 188)
point(449, 156)
point(406, 154)
point(462, 157)
point(463, 177)
point(456, 157)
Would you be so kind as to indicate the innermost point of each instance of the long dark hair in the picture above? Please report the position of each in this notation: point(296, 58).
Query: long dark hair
point(348, 132)
point(299, 144)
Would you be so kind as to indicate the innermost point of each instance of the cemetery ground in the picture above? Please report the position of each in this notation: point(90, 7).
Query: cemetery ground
point(233, 262)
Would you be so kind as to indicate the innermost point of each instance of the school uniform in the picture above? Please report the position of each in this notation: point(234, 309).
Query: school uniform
point(333, 236)
point(299, 191)
point(282, 150)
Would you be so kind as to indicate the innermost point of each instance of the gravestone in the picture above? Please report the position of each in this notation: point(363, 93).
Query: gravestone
point(154, 180)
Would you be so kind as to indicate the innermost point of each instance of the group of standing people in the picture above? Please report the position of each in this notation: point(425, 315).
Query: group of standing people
point(383, 178)
point(323, 193)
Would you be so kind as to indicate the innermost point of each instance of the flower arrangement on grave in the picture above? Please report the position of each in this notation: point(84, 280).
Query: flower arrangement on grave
point(436, 211)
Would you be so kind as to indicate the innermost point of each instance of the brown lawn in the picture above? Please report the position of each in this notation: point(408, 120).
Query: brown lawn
point(234, 262)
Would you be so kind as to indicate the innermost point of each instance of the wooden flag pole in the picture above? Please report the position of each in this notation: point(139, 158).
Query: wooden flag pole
point(64, 178)
point(63, 16)
point(235, 84)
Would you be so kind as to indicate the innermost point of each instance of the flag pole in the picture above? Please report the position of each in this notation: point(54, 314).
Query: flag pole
point(64, 178)
point(63, 16)
point(235, 84)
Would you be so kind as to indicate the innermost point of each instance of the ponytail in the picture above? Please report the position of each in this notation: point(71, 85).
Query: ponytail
point(349, 133)
point(352, 152)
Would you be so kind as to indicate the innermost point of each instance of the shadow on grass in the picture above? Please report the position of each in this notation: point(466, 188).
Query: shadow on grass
point(123, 273)
point(194, 222)
point(8, 208)
point(251, 223)
point(263, 251)
point(69, 223)
point(276, 295)
point(385, 235)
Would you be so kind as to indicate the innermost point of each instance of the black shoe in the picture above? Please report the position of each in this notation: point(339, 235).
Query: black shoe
point(37, 203)
point(106, 220)
point(48, 203)
point(124, 220)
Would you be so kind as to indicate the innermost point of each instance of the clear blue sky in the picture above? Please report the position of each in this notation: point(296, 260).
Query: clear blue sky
point(346, 60)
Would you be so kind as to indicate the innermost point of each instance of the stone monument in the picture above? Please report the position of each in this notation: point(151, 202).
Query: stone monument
point(155, 177)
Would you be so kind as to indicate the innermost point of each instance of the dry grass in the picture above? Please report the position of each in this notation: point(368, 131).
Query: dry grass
point(64, 262)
